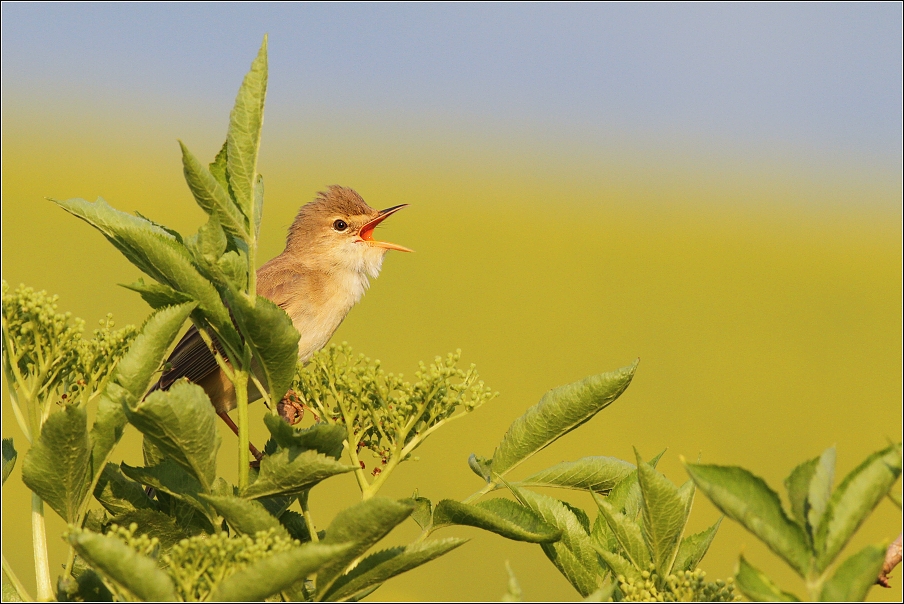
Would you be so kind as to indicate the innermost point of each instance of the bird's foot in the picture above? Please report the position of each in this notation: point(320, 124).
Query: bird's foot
point(290, 408)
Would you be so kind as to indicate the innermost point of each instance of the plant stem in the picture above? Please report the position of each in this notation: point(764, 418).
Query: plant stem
point(39, 543)
point(308, 519)
point(490, 486)
point(241, 396)
point(14, 581)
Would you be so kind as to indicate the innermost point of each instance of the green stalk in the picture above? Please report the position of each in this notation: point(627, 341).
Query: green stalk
point(241, 395)
point(15, 582)
point(39, 543)
point(308, 519)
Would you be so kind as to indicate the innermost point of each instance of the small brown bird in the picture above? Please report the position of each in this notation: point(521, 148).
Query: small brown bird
point(327, 265)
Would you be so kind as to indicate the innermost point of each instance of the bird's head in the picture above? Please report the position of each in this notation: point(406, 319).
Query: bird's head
point(336, 231)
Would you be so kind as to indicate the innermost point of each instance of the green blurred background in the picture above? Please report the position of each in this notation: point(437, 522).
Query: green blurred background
point(716, 190)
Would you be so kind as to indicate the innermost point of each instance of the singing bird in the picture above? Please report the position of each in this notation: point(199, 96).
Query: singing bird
point(330, 257)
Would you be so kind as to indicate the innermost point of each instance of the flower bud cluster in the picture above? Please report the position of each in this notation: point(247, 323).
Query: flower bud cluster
point(385, 410)
point(199, 564)
point(680, 586)
point(49, 361)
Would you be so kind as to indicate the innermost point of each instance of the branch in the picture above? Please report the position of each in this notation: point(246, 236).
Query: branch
point(892, 559)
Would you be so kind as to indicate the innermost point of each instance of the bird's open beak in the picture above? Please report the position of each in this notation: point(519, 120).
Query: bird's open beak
point(367, 231)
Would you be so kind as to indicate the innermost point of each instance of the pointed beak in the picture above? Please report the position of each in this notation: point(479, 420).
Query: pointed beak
point(367, 231)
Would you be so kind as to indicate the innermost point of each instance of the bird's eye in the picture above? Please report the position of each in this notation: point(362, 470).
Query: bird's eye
point(340, 225)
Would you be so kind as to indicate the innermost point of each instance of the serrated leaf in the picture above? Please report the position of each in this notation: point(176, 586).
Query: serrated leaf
point(169, 530)
point(248, 517)
point(501, 516)
point(292, 471)
point(218, 167)
point(323, 437)
point(294, 523)
point(272, 574)
point(381, 566)
point(854, 499)
point(362, 525)
point(244, 136)
point(181, 423)
point(798, 486)
point(57, 467)
point(617, 564)
point(748, 500)
point(160, 256)
point(855, 576)
point(208, 245)
point(423, 511)
point(172, 479)
point(694, 547)
point(820, 489)
point(118, 494)
point(212, 196)
point(664, 513)
point(9, 458)
point(560, 411)
point(118, 562)
point(157, 295)
point(758, 587)
point(272, 337)
point(573, 554)
point(598, 474)
point(627, 534)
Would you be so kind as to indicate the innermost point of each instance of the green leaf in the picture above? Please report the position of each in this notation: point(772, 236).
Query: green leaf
point(169, 530)
point(160, 256)
point(181, 422)
point(9, 458)
point(423, 511)
point(560, 411)
point(273, 340)
point(58, 465)
point(212, 196)
point(748, 500)
point(694, 547)
point(118, 494)
point(480, 466)
point(617, 564)
point(275, 573)
point(573, 554)
point(157, 295)
point(664, 512)
point(118, 562)
point(292, 471)
point(627, 534)
point(9, 593)
point(820, 489)
point(381, 566)
point(854, 577)
point(323, 437)
point(248, 517)
point(501, 516)
point(294, 523)
point(758, 587)
point(244, 137)
point(138, 368)
point(218, 167)
point(207, 246)
point(598, 474)
point(173, 480)
point(854, 499)
point(362, 525)
point(84, 585)
point(798, 487)
point(258, 204)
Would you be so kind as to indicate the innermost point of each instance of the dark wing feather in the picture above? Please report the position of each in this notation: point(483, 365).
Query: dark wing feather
point(191, 359)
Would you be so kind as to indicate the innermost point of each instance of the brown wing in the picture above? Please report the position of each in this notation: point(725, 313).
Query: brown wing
point(191, 358)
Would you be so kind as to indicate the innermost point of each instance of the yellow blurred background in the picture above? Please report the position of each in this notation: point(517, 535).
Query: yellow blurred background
point(759, 283)
point(768, 326)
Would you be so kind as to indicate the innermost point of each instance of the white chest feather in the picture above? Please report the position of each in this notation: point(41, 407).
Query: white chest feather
point(317, 320)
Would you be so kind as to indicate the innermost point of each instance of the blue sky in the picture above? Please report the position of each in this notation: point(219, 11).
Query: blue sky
point(820, 77)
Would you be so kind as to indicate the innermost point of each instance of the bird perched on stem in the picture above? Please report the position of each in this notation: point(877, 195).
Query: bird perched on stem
point(329, 259)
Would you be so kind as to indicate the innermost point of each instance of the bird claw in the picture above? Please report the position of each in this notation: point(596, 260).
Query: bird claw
point(290, 408)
